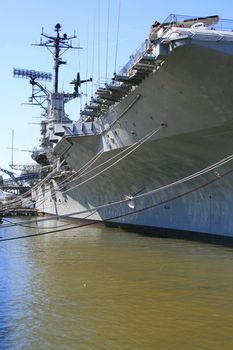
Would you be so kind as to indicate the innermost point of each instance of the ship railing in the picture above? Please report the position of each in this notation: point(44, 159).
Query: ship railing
point(218, 23)
point(175, 20)
point(210, 35)
point(135, 57)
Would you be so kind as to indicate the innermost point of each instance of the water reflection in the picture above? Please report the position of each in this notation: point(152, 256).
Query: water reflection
point(101, 288)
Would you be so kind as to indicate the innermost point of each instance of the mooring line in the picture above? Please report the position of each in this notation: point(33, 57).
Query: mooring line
point(94, 222)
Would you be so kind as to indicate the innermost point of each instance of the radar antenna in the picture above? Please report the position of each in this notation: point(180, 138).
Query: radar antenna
point(57, 45)
point(36, 98)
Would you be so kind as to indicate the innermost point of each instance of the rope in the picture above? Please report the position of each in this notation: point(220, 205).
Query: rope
point(10, 204)
point(114, 163)
point(175, 183)
point(81, 174)
point(81, 171)
point(191, 177)
point(134, 146)
point(116, 217)
point(180, 181)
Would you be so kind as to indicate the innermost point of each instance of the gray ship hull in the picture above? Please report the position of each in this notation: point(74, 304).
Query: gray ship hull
point(145, 161)
point(203, 204)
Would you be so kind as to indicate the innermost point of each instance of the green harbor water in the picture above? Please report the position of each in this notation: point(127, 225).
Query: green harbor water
point(100, 288)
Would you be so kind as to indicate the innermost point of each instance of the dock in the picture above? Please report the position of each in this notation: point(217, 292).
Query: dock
point(21, 212)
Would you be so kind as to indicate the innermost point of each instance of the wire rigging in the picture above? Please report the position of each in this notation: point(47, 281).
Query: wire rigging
point(98, 42)
point(117, 37)
point(162, 188)
point(74, 177)
point(79, 69)
point(117, 216)
point(107, 43)
point(93, 59)
point(87, 60)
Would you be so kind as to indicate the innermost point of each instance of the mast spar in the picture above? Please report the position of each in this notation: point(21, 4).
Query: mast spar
point(57, 45)
point(53, 102)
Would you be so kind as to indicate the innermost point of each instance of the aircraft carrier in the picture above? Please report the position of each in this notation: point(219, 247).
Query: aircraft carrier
point(152, 151)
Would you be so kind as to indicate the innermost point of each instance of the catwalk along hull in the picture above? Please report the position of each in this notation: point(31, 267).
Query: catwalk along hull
point(143, 165)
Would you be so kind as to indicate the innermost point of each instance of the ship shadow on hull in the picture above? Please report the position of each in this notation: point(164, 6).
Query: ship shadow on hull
point(157, 232)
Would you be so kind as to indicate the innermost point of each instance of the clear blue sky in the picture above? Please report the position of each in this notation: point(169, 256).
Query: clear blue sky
point(20, 26)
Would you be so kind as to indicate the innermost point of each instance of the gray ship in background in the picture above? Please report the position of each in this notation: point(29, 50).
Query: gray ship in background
point(152, 151)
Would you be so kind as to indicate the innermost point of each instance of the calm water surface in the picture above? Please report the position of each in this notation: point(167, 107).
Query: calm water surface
point(101, 288)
